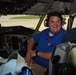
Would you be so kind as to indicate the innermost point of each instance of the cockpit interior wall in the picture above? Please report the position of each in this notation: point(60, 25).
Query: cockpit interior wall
point(36, 7)
point(66, 0)
point(56, 0)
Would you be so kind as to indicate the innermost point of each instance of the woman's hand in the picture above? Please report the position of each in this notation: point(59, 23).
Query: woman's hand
point(28, 58)
point(33, 54)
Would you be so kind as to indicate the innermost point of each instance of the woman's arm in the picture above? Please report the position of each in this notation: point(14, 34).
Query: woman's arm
point(45, 55)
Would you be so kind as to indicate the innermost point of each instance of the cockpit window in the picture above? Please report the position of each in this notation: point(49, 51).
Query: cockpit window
point(29, 21)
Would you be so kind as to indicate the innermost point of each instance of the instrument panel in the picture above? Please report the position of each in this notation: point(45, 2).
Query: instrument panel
point(13, 38)
point(15, 42)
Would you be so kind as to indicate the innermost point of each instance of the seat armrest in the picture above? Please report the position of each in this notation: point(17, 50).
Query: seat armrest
point(55, 59)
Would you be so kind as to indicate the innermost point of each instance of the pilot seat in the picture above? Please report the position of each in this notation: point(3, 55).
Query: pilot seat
point(64, 55)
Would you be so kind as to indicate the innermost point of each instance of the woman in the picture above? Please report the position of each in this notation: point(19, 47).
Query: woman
point(46, 40)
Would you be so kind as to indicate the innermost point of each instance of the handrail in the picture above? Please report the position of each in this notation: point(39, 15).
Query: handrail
point(39, 24)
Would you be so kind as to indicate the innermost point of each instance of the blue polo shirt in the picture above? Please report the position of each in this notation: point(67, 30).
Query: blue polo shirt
point(46, 43)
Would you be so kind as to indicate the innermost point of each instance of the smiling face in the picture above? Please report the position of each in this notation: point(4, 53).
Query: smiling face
point(54, 24)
